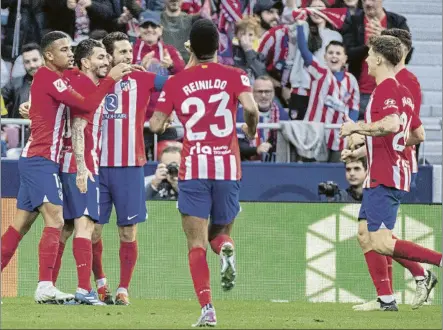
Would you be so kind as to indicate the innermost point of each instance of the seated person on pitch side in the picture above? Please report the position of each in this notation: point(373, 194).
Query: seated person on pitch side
point(270, 112)
point(163, 185)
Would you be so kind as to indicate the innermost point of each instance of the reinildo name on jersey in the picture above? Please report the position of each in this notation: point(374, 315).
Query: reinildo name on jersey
point(198, 149)
point(204, 84)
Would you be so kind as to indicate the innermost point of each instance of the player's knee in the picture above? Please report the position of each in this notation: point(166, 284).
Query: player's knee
point(67, 231)
point(128, 233)
point(380, 246)
point(84, 227)
point(364, 239)
point(52, 215)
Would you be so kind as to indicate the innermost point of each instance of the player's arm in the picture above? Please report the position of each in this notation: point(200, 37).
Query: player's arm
point(250, 113)
point(416, 136)
point(159, 122)
point(89, 102)
point(387, 125)
point(352, 155)
point(162, 116)
point(78, 145)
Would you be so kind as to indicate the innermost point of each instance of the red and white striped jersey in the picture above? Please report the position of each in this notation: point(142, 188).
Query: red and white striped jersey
point(274, 47)
point(410, 81)
point(50, 94)
point(388, 161)
point(205, 99)
point(92, 133)
point(331, 100)
point(123, 120)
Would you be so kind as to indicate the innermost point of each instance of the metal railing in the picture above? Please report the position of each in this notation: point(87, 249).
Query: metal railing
point(25, 122)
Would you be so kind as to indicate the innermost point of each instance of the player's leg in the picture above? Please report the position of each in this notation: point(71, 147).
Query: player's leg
point(194, 203)
point(43, 192)
point(373, 204)
point(225, 207)
point(129, 197)
point(101, 281)
point(11, 238)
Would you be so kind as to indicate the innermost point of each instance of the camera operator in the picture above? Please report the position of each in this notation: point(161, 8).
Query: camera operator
point(163, 185)
point(355, 175)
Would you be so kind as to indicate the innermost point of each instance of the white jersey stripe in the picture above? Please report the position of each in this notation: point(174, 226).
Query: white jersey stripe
point(104, 144)
point(202, 166)
point(56, 133)
point(219, 168)
point(67, 162)
point(95, 137)
point(118, 128)
point(233, 165)
point(132, 118)
point(188, 168)
point(396, 174)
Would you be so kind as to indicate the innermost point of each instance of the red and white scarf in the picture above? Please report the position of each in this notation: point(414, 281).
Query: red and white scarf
point(334, 16)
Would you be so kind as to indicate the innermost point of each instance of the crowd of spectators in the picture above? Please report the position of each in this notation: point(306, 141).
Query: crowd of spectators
point(274, 41)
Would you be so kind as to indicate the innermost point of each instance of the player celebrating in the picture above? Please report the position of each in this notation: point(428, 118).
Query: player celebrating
point(388, 119)
point(425, 279)
point(40, 189)
point(121, 164)
point(205, 98)
point(79, 166)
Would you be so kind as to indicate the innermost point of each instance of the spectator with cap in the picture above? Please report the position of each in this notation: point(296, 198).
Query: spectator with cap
point(357, 31)
point(268, 12)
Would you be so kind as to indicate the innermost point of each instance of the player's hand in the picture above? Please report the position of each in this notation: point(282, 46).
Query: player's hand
point(147, 59)
point(23, 109)
point(82, 180)
point(347, 128)
point(166, 62)
point(355, 140)
point(248, 133)
point(161, 173)
point(119, 71)
point(264, 148)
point(136, 67)
point(348, 156)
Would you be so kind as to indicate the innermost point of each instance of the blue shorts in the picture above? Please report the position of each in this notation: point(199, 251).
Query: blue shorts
point(123, 187)
point(380, 206)
point(39, 183)
point(77, 204)
point(413, 180)
point(217, 199)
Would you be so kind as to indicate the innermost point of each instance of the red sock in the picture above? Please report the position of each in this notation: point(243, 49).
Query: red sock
point(378, 268)
point(128, 259)
point(414, 267)
point(389, 263)
point(47, 253)
point(58, 262)
point(218, 241)
point(200, 275)
point(414, 252)
point(97, 264)
point(10, 240)
point(82, 248)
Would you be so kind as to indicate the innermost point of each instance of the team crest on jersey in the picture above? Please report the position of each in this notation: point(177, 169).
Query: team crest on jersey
point(245, 81)
point(125, 85)
point(111, 102)
point(60, 85)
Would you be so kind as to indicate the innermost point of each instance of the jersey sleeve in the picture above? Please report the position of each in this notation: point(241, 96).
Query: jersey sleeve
point(60, 91)
point(386, 102)
point(241, 83)
point(415, 121)
point(316, 70)
point(165, 102)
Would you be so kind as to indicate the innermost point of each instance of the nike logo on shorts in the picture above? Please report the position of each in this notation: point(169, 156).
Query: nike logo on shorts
point(130, 218)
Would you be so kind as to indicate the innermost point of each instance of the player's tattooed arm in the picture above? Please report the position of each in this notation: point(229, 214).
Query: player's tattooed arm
point(159, 122)
point(416, 136)
point(387, 125)
point(78, 145)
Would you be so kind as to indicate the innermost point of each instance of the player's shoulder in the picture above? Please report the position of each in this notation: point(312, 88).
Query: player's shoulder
point(44, 74)
point(142, 75)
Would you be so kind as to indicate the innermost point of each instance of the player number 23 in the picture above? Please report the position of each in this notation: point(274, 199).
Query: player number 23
point(199, 105)
point(403, 134)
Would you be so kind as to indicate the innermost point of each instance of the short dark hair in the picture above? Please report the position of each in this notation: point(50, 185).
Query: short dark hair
point(30, 47)
point(204, 39)
point(85, 49)
point(111, 38)
point(387, 46)
point(403, 35)
point(50, 37)
point(336, 43)
point(97, 34)
point(362, 160)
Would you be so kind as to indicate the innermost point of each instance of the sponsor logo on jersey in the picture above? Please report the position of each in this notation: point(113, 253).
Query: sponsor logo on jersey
point(60, 85)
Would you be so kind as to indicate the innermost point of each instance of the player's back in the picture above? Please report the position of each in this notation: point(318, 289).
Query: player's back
point(205, 100)
point(47, 116)
point(388, 162)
